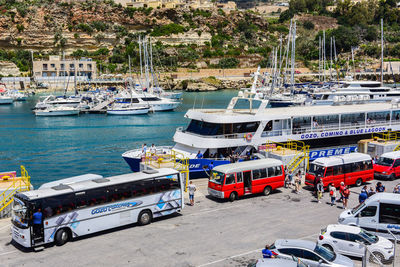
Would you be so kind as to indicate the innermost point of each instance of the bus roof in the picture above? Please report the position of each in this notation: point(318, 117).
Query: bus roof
point(248, 165)
point(391, 155)
point(94, 183)
point(342, 159)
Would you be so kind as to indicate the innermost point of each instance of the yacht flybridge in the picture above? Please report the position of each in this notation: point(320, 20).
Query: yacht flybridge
point(221, 133)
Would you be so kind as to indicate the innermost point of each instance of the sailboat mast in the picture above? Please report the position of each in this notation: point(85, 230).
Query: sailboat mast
point(382, 51)
point(140, 56)
point(293, 53)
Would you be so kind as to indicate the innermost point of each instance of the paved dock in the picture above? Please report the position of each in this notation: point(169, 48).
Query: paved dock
point(211, 233)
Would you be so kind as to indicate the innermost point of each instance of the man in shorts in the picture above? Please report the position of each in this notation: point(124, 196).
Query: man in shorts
point(192, 189)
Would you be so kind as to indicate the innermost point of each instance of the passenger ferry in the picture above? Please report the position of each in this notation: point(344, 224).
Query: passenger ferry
point(220, 133)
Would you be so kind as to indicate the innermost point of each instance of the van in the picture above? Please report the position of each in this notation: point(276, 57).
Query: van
point(388, 166)
point(379, 213)
point(352, 169)
point(244, 178)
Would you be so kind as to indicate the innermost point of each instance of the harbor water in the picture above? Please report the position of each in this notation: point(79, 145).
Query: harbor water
point(53, 148)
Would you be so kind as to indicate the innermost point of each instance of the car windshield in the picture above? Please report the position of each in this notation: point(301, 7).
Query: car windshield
point(217, 177)
point(358, 208)
point(371, 238)
point(325, 253)
point(384, 161)
point(20, 213)
point(315, 169)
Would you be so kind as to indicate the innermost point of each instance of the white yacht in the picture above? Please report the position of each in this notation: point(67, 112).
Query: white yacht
point(65, 101)
point(218, 133)
point(154, 102)
point(57, 111)
point(17, 95)
point(127, 109)
point(6, 100)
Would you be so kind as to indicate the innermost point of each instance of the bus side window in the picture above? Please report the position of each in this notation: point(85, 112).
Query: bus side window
point(278, 170)
point(337, 170)
point(80, 199)
point(389, 213)
point(96, 196)
point(348, 168)
point(329, 171)
point(271, 172)
point(230, 178)
point(174, 182)
point(263, 173)
point(239, 177)
point(368, 211)
point(256, 174)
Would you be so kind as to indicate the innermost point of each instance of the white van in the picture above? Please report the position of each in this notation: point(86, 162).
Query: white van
point(379, 213)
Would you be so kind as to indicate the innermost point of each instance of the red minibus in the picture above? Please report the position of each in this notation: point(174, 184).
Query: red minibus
point(352, 169)
point(388, 166)
point(243, 178)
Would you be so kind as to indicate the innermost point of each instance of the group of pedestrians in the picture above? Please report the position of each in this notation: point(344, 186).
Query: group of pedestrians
point(293, 181)
point(344, 192)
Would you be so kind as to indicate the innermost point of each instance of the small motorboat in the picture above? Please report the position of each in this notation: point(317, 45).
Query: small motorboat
point(57, 111)
point(127, 109)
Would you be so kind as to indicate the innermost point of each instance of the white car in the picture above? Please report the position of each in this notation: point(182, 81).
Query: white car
point(351, 241)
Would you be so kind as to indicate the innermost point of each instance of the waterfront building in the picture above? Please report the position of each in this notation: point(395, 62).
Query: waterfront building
point(57, 67)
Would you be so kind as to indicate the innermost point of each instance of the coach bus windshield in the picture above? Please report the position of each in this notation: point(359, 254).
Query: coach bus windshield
point(20, 214)
point(217, 177)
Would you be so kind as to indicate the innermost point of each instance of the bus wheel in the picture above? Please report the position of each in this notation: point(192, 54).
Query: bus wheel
point(359, 182)
point(61, 237)
point(267, 190)
point(232, 197)
point(145, 217)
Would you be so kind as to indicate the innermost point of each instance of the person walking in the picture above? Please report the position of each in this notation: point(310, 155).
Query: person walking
point(371, 191)
point(286, 177)
point(341, 189)
point(297, 181)
point(332, 193)
point(380, 188)
point(153, 150)
point(362, 196)
point(346, 195)
point(320, 190)
point(317, 180)
point(192, 188)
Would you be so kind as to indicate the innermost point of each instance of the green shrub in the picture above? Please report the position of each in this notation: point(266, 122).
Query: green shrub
point(229, 62)
point(166, 30)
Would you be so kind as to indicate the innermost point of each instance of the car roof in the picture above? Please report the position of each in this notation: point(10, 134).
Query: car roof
point(248, 165)
point(282, 243)
point(343, 228)
point(391, 155)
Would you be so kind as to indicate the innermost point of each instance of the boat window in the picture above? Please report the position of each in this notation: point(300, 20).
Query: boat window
point(330, 119)
point(302, 122)
point(207, 128)
point(378, 116)
point(150, 99)
point(370, 85)
point(396, 115)
point(268, 127)
point(352, 118)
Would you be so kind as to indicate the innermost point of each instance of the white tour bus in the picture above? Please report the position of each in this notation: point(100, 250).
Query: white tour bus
point(379, 213)
point(85, 207)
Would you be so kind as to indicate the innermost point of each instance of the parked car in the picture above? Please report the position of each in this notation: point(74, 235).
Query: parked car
point(352, 240)
point(279, 262)
point(310, 253)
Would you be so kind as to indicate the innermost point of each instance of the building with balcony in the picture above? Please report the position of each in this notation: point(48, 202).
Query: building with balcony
point(57, 67)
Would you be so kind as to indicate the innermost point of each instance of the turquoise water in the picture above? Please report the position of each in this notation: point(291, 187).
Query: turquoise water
point(60, 147)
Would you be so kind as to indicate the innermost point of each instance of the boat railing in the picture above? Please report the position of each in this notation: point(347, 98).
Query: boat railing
point(219, 136)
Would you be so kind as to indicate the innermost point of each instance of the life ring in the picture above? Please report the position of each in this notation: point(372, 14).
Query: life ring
point(249, 136)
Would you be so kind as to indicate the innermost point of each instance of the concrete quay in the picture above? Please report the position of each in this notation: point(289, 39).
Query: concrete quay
point(211, 233)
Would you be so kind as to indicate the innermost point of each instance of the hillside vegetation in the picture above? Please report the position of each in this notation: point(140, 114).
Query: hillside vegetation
point(191, 38)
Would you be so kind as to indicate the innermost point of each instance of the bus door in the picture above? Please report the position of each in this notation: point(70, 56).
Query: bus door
point(247, 182)
point(239, 184)
point(37, 230)
point(230, 184)
point(328, 177)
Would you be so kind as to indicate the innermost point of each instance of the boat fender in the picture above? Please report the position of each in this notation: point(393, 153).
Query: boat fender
point(249, 136)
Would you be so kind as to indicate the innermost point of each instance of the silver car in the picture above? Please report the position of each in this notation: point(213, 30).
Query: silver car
point(310, 253)
point(279, 262)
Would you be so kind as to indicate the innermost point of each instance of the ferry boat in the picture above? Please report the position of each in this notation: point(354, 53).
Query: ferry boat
point(220, 133)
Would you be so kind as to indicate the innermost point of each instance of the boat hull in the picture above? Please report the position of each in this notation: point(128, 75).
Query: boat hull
point(56, 113)
point(164, 106)
point(128, 111)
point(6, 101)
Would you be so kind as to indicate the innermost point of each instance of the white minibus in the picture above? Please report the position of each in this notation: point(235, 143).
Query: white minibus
point(379, 213)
